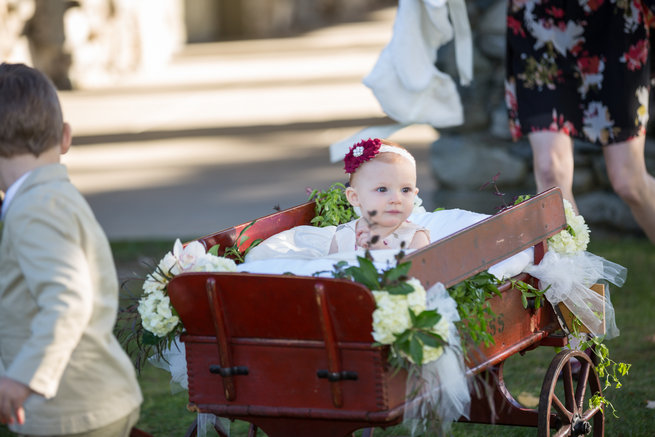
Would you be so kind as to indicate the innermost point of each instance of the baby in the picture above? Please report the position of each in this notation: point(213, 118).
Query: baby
point(383, 186)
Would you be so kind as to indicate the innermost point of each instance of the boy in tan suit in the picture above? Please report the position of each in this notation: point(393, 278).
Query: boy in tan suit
point(62, 371)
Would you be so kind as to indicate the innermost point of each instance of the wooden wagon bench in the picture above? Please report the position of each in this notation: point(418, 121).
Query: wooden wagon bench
point(295, 356)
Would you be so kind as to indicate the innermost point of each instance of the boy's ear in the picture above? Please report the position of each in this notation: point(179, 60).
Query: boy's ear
point(351, 195)
point(66, 139)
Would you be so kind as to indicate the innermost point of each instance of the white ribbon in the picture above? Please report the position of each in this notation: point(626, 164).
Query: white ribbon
point(569, 278)
point(438, 392)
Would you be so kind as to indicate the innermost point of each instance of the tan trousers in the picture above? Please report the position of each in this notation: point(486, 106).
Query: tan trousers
point(120, 428)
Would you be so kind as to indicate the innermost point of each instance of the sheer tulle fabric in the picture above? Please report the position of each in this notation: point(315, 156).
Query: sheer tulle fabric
point(438, 392)
point(207, 423)
point(569, 278)
point(173, 360)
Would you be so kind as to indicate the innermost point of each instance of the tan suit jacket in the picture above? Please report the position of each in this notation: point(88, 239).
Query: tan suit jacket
point(58, 304)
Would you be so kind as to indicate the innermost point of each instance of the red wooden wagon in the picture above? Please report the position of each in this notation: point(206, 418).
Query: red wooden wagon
point(295, 356)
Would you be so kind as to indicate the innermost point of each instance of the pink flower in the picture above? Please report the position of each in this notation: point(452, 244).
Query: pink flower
point(559, 124)
point(589, 64)
point(636, 55)
point(515, 26)
point(360, 153)
point(555, 12)
point(595, 4)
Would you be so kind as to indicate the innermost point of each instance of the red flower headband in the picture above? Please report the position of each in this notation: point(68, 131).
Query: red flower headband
point(361, 152)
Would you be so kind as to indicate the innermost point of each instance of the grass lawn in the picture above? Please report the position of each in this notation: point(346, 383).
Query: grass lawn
point(165, 414)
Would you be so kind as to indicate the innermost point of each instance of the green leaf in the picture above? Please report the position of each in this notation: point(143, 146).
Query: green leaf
point(412, 316)
point(149, 338)
point(332, 206)
point(416, 350)
point(403, 337)
point(214, 249)
point(427, 319)
point(365, 274)
point(312, 195)
point(397, 273)
point(431, 339)
point(401, 288)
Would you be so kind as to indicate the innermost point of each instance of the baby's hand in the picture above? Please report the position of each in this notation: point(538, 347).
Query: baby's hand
point(363, 236)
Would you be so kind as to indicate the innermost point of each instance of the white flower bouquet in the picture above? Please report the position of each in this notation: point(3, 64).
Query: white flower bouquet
point(401, 319)
point(397, 315)
point(575, 238)
point(157, 315)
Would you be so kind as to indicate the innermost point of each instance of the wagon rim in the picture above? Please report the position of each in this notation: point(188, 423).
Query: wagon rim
point(562, 409)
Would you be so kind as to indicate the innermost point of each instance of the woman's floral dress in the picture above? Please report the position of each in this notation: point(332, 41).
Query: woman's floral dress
point(581, 67)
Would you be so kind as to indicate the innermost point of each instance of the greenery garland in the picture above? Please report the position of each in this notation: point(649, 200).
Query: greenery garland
point(332, 206)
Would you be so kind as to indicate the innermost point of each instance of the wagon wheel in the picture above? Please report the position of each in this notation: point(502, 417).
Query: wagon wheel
point(564, 407)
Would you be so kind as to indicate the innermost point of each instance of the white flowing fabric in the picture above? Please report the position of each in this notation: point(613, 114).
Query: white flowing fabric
point(569, 278)
point(405, 80)
point(439, 389)
point(173, 360)
point(207, 422)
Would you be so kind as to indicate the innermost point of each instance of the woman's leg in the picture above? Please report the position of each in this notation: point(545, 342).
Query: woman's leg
point(626, 168)
point(552, 155)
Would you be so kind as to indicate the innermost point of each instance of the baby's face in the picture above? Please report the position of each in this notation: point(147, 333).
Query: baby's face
point(388, 189)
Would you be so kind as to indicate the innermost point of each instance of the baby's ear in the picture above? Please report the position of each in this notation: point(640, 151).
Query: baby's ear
point(351, 195)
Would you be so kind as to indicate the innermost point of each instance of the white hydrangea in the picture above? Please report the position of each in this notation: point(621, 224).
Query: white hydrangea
point(567, 242)
point(391, 317)
point(212, 263)
point(416, 299)
point(168, 265)
point(156, 314)
point(152, 284)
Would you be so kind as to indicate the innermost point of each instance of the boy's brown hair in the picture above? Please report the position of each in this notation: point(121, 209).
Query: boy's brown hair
point(31, 119)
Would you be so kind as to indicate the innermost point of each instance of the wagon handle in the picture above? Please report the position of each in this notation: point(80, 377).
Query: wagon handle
point(334, 362)
point(228, 371)
point(337, 376)
point(220, 328)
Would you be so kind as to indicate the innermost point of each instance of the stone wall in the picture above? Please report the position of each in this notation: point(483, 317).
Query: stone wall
point(467, 157)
